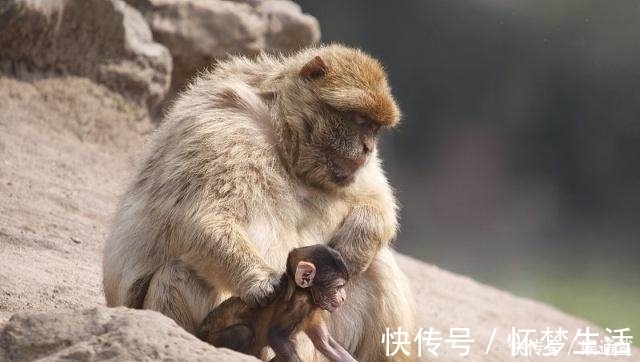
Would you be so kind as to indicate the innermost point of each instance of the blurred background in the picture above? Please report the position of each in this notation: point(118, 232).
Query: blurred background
point(518, 159)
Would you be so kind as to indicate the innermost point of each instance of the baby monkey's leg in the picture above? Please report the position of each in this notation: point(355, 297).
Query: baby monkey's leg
point(238, 338)
point(223, 327)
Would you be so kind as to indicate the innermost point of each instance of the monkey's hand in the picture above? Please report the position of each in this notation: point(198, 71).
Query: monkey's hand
point(364, 231)
point(260, 291)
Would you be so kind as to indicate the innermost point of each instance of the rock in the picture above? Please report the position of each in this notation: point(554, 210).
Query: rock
point(105, 40)
point(104, 334)
point(199, 32)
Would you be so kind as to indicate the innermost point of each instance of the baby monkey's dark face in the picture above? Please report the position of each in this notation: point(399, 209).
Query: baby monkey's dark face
point(329, 296)
point(322, 270)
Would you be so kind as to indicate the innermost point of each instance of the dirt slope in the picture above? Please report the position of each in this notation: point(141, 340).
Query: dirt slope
point(65, 151)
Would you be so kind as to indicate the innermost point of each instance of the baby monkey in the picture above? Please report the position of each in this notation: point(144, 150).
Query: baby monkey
point(314, 281)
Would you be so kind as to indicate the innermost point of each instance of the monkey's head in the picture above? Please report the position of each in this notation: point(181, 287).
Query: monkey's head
point(322, 270)
point(337, 100)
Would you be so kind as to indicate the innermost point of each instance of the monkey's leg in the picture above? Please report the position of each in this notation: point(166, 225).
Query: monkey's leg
point(177, 292)
point(227, 326)
point(377, 299)
point(238, 338)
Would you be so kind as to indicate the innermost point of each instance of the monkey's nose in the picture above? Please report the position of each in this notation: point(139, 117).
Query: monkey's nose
point(368, 144)
point(366, 148)
point(343, 296)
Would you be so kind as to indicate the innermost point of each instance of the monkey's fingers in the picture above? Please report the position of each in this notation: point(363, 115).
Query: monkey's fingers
point(262, 292)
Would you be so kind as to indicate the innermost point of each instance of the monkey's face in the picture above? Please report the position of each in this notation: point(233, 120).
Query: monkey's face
point(323, 271)
point(342, 100)
point(352, 139)
point(341, 144)
point(329, 296)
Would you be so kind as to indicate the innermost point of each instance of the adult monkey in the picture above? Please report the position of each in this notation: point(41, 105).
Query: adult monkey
point(256, 158)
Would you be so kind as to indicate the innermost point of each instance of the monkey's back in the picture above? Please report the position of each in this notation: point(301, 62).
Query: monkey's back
point(212, 156)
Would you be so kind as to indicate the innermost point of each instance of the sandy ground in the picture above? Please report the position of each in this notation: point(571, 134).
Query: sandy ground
point(64, 159)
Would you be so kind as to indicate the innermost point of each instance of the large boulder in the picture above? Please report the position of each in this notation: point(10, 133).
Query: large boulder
point(104, 334)
point(199, 32)
point(105, 40)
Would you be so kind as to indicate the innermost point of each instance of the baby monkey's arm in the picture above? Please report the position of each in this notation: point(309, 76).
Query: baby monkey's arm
point(318, 332)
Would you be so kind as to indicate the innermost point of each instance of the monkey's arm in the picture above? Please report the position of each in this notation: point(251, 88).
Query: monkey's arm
point(288, 316)
point(369, 226)
point(317, 331)
point(284, 350)
point(219, 251)
point(279, 336)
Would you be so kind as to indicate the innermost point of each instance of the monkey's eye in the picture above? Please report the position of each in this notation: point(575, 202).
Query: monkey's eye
point(365, 122)
point(360, 119)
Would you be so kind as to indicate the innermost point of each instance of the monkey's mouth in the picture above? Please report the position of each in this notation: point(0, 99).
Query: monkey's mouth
point(341, 178)
point(343, 169)
point(330, 306)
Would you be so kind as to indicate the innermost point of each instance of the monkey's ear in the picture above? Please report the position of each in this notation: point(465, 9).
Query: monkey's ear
point(305, 272)
point(314, 69)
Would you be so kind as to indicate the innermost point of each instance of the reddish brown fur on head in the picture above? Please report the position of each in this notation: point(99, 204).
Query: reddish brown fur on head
point(353, 81)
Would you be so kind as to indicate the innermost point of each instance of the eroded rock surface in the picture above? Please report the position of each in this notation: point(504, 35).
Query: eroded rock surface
point(104, 334)
point(104, 40)
point(199, 32)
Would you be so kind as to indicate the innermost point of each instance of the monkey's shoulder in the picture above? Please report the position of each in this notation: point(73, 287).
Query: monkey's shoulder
point(303, 305)
point(298, 305)
point(289, 315)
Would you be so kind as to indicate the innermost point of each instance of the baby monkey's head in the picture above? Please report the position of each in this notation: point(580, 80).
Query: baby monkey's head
point(337, 101)
point(322, 270)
